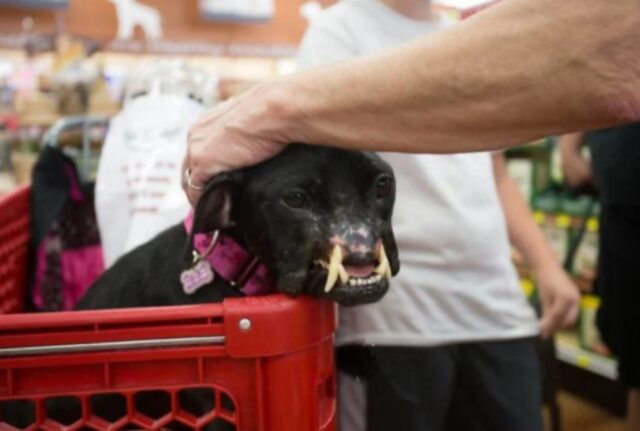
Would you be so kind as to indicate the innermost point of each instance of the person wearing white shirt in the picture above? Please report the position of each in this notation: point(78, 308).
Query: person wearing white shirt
point(454, 338)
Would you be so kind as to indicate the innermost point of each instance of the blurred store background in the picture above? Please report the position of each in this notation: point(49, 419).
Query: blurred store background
point(139, 72)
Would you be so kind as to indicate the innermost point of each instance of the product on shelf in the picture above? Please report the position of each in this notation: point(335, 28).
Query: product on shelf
point(528, 287)
point(7, 177)
point(586, 257)
point(37, 109)
point(521, 171)
point(588, 331)
point(556, 230)
point(580, 205)
point(548, 201)
point(529, 166)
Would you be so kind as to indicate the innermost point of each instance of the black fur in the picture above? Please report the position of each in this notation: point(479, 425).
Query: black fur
point(149, 276)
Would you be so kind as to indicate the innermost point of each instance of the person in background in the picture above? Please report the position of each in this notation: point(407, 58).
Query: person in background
point(521, 70)
point(452, 344)
point(615, 170)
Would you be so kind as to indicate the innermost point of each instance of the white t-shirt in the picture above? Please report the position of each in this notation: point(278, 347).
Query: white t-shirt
point(456, 281)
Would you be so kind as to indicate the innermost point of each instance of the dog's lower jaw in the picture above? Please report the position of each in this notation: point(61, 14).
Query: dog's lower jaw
point(312, 283)
point(350, 296)
point(345, 294)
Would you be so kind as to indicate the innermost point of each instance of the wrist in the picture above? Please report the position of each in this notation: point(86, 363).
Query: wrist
point(570, 158)
point(273, 113)
point(287, 109)
point(544, 264)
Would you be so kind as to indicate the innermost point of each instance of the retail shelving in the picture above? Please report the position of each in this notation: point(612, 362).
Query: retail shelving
point(568, 350)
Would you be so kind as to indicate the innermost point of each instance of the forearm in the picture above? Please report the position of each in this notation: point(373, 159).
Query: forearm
point(524, 234)
point(558, 294)
point(570, 64)
point(570, 145)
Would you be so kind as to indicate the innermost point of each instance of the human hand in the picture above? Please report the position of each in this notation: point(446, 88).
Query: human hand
point(559, 297)
point(235, 134)
point(577, 170)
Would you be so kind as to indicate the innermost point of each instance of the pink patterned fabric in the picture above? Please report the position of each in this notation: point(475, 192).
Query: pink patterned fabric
point(75, 191)
point(79, 268)
point(229, 259)
point(69, 256)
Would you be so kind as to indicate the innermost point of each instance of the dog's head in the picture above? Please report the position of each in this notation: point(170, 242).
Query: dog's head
point(318, 218)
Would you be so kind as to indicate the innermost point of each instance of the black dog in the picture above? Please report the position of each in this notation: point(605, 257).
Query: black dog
point(318, 218)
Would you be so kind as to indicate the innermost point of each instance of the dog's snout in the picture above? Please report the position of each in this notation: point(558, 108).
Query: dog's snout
point(359, 243)
point(359, 259)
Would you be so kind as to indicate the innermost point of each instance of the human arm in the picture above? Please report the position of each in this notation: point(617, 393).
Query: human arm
point(558, 294)
point(518, 71)
point(576, 168)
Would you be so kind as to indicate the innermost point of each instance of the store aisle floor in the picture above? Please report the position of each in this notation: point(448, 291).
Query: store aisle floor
point(581, 415)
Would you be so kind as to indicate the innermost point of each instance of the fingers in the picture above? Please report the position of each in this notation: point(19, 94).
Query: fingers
point(578, 172)
point(199, 141)
point(193, 193)
point(235, 134)
point(571, 315)
point(560, 313)
point(552, 318)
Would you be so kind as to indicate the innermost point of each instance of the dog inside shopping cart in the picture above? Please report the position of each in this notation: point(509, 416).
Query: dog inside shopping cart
point(311, 221)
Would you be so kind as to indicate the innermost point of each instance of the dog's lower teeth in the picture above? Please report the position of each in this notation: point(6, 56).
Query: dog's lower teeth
point(364, 281)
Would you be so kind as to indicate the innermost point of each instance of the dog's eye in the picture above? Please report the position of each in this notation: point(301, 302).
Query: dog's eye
point(295, 199)
point(383, 186)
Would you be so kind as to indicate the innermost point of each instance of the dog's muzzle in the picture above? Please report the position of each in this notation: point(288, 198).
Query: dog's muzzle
point(354, 275)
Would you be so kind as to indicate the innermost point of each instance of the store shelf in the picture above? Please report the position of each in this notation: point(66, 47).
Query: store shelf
point(569, 351)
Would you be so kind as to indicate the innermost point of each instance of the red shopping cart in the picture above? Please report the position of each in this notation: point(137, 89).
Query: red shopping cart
point(265, 362)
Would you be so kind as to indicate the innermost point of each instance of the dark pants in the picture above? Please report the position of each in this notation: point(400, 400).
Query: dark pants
point(482, 386)
point(618, 285)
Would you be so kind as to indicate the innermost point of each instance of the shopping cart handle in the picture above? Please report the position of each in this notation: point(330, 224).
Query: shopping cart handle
point(52, 135)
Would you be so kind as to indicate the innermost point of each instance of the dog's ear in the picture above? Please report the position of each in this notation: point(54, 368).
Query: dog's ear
point(213, 210)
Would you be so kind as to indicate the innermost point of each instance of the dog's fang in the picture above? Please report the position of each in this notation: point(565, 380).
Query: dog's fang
point(333, 272)
point(344, 275)
point(383, 267)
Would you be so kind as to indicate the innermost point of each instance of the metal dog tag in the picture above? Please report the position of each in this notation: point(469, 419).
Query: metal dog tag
point(193, 279)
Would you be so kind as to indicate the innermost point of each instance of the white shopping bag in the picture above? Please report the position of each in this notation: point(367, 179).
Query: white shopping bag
point(138, 185)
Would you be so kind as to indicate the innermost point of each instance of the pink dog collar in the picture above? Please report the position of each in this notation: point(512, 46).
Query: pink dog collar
point(229, 260)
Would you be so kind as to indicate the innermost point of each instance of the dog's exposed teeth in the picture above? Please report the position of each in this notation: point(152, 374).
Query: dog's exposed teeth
point(344, 275)
point(335, 263)
point(383, 268)
point(336, 270)
point(365, 281)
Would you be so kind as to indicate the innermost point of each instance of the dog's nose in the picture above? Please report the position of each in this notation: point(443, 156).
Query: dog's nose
point(357, 243)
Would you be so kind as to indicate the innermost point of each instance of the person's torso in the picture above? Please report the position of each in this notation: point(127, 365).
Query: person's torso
point(456, 281)
point(616, 163)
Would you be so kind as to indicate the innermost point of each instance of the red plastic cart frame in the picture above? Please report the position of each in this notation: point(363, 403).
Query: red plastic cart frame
point(267, 362)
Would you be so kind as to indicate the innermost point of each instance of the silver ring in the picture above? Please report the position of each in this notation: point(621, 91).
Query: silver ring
point(187, 177)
